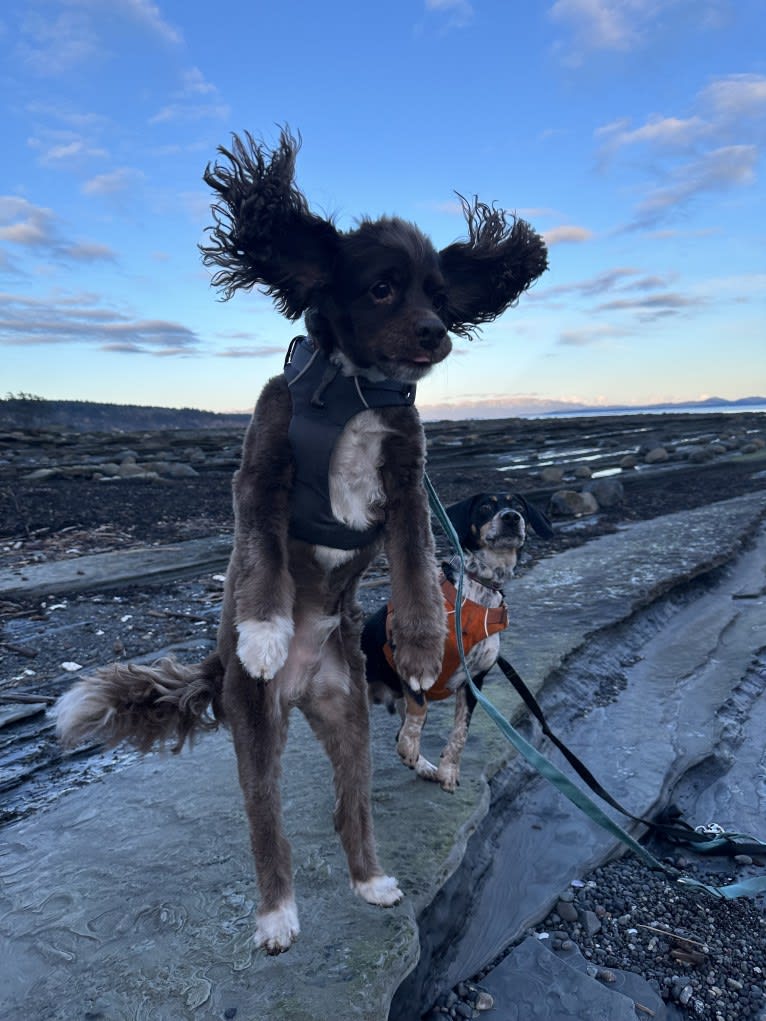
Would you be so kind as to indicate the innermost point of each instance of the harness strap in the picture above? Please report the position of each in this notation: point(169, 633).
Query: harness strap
point(746, 887)
point(477, 622)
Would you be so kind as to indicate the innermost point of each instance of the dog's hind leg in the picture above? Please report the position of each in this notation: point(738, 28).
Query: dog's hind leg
point(258, 723)
point(338, 715)
point(448, 773)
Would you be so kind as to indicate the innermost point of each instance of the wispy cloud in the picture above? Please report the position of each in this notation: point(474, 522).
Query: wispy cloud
point(65, 149)
point(115, 182)
point(251, 352)
point(54, 43)
point(620, 278)
point(654, 306)
point(589, 26)
point(458, 12)
point(714, 149)
point(591, 336)
point(32, 228)
point(567, 234)
point(84, 319)
point(185, 105)
point(715, 171)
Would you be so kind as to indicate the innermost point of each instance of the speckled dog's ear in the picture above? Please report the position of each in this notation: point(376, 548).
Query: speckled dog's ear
point(488, 272)
point(535, 518)
point(264, 231)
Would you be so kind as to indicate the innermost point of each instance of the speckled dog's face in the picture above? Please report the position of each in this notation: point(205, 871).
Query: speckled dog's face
point(498, 525)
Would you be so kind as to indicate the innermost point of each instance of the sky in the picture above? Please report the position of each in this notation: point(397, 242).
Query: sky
point(630, 133)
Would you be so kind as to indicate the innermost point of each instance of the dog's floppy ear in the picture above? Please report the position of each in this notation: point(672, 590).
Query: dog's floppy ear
point(538, 521)
point(488, 272)
point(264, 232)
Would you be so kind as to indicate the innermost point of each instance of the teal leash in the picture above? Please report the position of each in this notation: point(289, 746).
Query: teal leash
point(543, 765)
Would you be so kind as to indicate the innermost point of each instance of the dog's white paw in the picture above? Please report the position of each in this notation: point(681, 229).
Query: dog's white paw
point(448, 776)
point(263, 645)
point(426, 770)
point(421, 683)
point(381, 890)
point(277, 930)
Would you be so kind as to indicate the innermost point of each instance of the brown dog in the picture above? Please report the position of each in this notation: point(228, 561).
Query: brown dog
point(332, 468)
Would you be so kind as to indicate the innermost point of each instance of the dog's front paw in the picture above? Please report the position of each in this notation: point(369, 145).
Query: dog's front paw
point(408, 741)
point(277, 930)
point(263, 645)
point(381, 890)
point(416, 667)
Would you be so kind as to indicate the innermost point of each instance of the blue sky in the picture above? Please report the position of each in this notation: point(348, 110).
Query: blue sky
point(631, 134)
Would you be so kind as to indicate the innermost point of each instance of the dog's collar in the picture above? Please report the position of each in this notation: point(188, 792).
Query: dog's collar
point(304, 354)
point(450, 569)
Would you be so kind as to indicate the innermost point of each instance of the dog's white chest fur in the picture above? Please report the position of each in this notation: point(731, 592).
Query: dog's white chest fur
point(356, 489)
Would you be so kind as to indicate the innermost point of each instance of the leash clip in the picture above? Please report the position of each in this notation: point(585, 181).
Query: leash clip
point(712, 829)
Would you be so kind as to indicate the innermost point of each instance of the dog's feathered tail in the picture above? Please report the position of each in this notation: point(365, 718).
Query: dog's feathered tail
point(145, 706)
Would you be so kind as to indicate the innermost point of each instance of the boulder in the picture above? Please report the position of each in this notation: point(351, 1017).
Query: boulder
point(571, 504)
point(656, 455)
point(609, 492)
point(552, 474)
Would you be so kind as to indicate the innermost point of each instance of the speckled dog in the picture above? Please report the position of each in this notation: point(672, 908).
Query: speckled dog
point(332, 468)
point(491, 529)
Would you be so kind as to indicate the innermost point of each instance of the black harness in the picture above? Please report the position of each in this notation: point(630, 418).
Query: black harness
point(324, 400)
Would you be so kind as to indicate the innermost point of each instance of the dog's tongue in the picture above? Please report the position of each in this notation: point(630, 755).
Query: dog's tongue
point(422, 360)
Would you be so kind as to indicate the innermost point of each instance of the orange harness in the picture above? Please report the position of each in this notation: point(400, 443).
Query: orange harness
point(478, 622)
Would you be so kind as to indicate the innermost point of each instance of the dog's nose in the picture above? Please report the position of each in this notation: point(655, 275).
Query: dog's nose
point(430, 333)
point(513, 519)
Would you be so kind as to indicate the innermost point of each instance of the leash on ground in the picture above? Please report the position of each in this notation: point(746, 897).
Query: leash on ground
point(701, 841)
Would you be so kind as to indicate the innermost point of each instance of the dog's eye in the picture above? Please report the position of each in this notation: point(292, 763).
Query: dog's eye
point(381, 290)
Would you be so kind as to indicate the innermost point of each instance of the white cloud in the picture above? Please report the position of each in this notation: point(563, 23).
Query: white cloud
point(459, 12)
point(566, 233)
point(113, 182)
point(737, 95)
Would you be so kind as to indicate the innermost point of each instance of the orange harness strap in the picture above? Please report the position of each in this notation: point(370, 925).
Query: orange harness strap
point(478, 622)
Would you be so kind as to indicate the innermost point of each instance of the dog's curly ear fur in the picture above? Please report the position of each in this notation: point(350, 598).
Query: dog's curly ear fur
point(488, 272)
point(264, 232)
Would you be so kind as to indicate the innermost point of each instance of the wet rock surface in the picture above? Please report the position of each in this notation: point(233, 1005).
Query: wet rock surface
point(97, 902)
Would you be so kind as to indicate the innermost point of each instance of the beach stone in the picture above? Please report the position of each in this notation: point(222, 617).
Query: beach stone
point(591, 923)
point(175, 470)
point(543, 986)
point(567, 911)
point(628, 461)
point(570, 503)
point(552, 474)
point(656, 456)
point(608, 492)
point(582, 471)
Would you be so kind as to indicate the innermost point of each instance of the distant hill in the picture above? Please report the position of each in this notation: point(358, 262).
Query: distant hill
point(709, 404)
point(25, 411)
